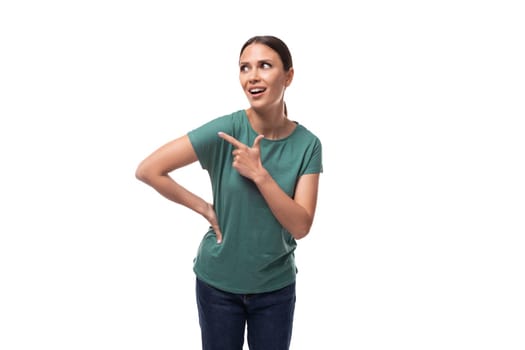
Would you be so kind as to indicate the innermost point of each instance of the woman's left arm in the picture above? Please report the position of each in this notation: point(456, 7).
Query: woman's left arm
point(296, 214)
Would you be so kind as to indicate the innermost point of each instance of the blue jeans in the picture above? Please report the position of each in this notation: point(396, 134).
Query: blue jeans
point(223, 316)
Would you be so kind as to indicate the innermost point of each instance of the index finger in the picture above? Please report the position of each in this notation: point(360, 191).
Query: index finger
point(232, 140)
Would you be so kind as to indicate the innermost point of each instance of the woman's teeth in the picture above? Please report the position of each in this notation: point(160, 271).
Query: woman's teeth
point(257, 90)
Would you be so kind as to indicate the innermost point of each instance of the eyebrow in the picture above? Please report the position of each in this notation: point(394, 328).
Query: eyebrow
point(259, 61)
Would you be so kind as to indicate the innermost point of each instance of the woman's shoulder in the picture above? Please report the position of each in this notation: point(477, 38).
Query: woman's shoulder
point(233, 118)
point(304, 132)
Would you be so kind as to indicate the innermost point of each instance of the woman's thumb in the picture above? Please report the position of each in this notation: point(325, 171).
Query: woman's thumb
point(218, 234)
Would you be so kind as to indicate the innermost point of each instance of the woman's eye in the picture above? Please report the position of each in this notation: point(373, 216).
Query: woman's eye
point(244, 68)
point(266, 65)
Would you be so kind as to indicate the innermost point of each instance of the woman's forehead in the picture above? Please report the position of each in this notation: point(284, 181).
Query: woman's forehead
point(257, 51)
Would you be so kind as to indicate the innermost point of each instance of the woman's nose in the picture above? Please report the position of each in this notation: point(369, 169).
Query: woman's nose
point(253, 75)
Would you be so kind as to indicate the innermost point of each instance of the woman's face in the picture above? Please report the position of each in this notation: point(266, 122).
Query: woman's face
point(262, 76)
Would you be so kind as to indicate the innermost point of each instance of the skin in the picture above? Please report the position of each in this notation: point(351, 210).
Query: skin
point(259, 67)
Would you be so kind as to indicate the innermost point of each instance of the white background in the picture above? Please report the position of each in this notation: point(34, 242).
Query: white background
point(418, 240)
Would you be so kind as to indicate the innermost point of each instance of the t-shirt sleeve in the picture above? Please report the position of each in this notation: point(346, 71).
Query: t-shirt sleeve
point(206, 142)
point(313, 161)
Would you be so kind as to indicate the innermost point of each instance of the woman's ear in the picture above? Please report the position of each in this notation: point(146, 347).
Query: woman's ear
point(289, 77)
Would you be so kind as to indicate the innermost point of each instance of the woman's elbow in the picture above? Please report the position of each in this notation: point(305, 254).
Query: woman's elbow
point(300, 235)
point(142, 173)
point(302, 231)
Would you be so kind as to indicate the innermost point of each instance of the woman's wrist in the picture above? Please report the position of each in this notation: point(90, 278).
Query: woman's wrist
point(261, 177)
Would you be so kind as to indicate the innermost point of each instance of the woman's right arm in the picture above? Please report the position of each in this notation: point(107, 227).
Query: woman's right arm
point(155, 169)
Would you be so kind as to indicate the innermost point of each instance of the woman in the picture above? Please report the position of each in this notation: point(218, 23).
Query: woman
point(264, 170)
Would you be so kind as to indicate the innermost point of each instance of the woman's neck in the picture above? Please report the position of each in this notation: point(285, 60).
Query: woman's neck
point(273, 125)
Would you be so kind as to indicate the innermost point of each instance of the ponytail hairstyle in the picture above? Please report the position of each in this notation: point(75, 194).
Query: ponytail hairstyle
point(276, 45)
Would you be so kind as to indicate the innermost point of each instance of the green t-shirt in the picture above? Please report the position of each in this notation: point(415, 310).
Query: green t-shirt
point(256, 254)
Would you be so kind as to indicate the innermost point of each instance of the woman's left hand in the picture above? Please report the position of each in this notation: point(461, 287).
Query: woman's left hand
point(246, 160)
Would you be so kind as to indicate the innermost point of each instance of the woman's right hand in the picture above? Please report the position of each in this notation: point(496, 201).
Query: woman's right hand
point(210, 215)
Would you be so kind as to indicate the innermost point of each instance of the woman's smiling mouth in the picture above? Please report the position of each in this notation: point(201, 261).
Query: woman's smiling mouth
point(257, 91)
